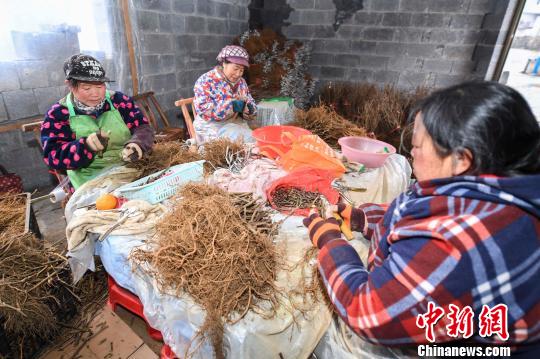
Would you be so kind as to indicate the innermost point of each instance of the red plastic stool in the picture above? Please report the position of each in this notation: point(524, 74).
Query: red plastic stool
point(167, 353)
point(128, 300)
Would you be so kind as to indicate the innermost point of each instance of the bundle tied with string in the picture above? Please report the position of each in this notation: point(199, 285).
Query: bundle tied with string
point(216, 247)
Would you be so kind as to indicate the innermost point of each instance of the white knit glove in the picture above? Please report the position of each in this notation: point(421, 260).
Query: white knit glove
point(93, 142)
point(132, 152)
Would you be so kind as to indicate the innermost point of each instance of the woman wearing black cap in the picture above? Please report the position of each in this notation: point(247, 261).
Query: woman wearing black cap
point(92, 128)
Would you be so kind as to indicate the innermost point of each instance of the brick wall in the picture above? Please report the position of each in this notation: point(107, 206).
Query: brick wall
point(405, 42)
point(178, 40)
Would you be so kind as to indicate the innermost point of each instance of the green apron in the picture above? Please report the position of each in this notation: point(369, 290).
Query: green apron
point(110, 122)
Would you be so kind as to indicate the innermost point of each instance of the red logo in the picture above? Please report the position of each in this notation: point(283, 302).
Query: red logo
point(490, 321)
point(494, 321)
point(429, 320)
point(461, 322)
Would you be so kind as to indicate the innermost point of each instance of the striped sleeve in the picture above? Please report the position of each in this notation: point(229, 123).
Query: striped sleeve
point(378, 304)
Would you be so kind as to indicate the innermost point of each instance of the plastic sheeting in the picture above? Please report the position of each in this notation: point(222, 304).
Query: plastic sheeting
point(293, 335)
point(341, 342)
point(382, 184)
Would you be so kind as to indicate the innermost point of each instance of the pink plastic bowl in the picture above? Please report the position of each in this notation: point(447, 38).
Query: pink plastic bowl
point(365, 150)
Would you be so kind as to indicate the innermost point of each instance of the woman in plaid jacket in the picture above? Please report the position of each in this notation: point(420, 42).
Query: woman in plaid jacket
point(465, 237)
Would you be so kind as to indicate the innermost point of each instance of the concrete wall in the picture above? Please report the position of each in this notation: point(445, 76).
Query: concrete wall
point(405, 42)
point(28, 87)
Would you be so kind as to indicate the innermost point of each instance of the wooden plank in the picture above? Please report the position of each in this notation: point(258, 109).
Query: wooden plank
point(18, 125)
point(160, 111)
point(129, 38)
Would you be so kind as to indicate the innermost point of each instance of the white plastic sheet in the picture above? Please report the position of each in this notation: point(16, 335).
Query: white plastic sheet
point(341, 342)
point(382, 184)
point(253, 337)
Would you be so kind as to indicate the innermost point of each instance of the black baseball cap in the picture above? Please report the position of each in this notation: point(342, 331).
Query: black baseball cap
point(84, 68)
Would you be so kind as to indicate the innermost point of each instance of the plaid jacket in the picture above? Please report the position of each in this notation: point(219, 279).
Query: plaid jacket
point(466, 241)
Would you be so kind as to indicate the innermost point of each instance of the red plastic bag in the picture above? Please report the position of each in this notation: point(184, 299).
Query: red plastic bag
point(310, 180)
point(10, 182)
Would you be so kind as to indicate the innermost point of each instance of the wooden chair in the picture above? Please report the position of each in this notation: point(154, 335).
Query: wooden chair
point(152, 110)
point(183, 104)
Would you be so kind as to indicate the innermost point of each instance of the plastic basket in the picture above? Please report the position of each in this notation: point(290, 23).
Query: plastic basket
point(372, 153)
point(165, 186)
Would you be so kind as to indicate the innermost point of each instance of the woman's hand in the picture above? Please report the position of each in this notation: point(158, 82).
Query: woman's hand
point(321, 230)
point(354, 218)
point(97, 141)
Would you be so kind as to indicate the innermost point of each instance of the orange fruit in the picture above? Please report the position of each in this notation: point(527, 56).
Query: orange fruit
point(106, 201)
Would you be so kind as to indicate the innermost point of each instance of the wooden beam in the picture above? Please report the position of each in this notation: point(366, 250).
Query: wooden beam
point(129, 38)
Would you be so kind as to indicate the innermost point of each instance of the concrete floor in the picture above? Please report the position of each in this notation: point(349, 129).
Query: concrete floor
point(52, 225)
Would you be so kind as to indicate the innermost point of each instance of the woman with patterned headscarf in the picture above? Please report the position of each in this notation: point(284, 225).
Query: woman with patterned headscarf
point(222, 100)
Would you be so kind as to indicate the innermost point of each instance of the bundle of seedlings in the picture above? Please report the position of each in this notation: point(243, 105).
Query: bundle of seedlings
point(37, 299)
point(217, 151)
point(348, 99)
point(382, 112)
point(326, 123)
point(30, 290)
point(218, 249)
point(311, 288)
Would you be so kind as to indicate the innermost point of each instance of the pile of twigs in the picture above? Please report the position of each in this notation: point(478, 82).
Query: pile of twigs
point(326, 123)
point(12, 212)
point(37, 299)
point(288, 199)
point(381, 111)
point(218, 249)
point(167, 154)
